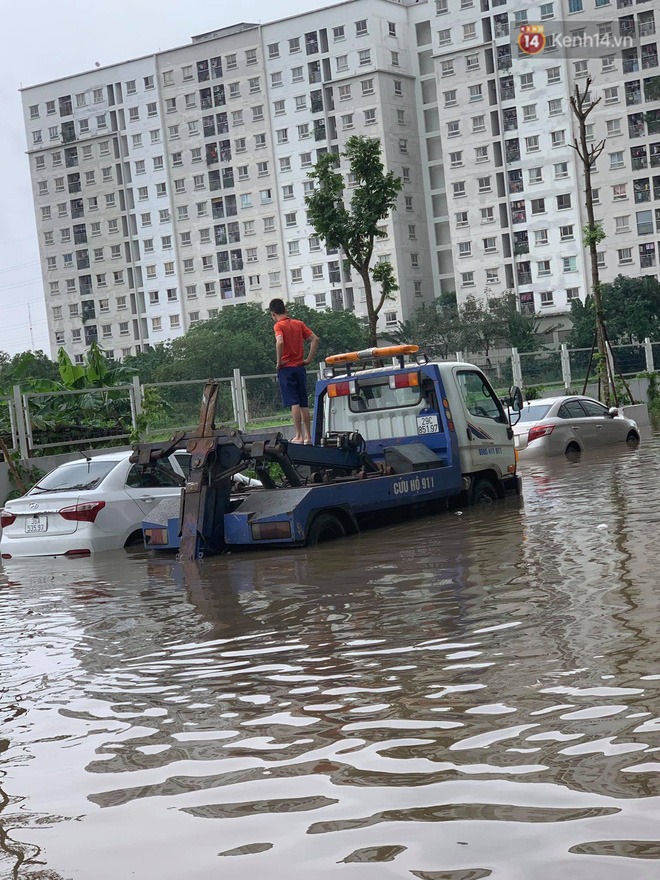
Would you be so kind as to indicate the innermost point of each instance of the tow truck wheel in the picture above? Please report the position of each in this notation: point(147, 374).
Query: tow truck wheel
point(325, 527)
point(483, 492)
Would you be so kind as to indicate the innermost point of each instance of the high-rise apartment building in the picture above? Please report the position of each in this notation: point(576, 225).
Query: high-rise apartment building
point(171, 186)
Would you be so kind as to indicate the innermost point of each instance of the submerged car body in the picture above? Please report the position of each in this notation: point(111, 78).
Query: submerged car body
point(570, 425)
point(86, 506)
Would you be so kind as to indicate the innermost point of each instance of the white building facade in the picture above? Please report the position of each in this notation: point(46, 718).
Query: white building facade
point(169, 187)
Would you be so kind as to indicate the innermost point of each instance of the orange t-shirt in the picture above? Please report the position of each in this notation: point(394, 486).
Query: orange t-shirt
point(294, 334)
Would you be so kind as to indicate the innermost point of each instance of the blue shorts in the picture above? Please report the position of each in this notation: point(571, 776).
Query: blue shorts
point(293, 386)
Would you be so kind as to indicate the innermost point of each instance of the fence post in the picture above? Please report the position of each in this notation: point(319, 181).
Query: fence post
point(135, 399)
point(237, 399)
point(459, 356)
point(565, 366)
point(648, 351)
point(20, 422)
point(515, 368)
point(244, 399)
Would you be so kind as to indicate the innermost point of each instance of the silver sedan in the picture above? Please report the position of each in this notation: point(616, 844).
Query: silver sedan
point(569, 426)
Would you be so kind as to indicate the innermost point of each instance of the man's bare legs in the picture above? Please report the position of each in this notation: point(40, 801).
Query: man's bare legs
point(296, 414)
point(302, 424)
point(307, 425)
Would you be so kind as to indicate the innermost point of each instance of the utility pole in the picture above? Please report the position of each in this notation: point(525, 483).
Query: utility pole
point(31, 328)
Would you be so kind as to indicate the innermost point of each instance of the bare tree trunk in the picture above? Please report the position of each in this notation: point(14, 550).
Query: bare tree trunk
point(372, 315)
point(588, 156)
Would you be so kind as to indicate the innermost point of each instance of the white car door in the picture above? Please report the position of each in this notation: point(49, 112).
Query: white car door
point(148, 486)
point(606, 428)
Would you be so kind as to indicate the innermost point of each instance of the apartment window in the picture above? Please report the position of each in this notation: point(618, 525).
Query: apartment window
point(619, 192)
point(444, 37)
point(608, 63)
point(574, 6)
point(616, 160)
point(580, 68)
point(234, 90)
point(251, 255)
point(344, 93)
point(361, 28)
point(177, 159)
point(543, 267)
point(282, 135)
point(472, 62)
point(478, 123)
point(484, 184)
point(613, 127)
point(367, 87)
point(612, 95)
point(136, 140)
point(254, 85)
point(338, 34)
point(342, 62)
point(532, 144)
point(469, 31)
point(456, 159)
point(271, 251)
point(148, 82)
point(287, 191)
point(464, 249)
point(297, 74)
point(622, 224)
point(403, 145)
point(526, 81)
point(441, 7)
point(467, 279)
point(490, 245)
point(481, 154)
point(566, 233)
point(269, 224)
point(447, 68)
point(558, 138)
point(569, 264)
point(458, 189)
point(487, 215)
point(394, 59)
point(294, 45)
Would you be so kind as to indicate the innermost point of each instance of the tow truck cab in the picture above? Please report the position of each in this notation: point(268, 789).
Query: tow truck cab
point(441, 405)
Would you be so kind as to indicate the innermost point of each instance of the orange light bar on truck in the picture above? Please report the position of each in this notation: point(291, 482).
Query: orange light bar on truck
point(404, 380)
point(350, 357)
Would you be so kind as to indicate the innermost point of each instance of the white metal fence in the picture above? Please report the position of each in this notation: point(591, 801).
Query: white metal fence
point(160, 408)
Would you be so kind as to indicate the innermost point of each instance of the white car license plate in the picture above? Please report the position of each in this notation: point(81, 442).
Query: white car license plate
point(36, 524)
point(427, 425)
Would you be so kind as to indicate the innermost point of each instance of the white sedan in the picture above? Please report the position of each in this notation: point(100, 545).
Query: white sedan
point(569, 426)
point(85, 506)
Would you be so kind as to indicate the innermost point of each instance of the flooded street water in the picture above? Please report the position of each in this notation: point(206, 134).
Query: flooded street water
point(451, 698)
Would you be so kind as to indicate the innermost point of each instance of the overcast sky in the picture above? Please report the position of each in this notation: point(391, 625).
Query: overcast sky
point(44, 40)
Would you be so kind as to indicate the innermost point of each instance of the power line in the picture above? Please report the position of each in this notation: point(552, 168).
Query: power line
point(19, 266)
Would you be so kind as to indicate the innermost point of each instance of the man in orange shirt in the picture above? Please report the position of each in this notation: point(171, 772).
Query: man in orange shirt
point(290, 336)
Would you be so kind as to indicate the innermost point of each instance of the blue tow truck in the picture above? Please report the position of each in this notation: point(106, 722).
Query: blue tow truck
point(384, 438)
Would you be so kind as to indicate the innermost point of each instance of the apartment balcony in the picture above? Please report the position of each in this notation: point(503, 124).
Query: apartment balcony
point(647, 261)
point(516, 186)
point(631, 65)
point(646, 28)
point(519, 216)
point(649, 57)
point(524, 278)
point(520, 248)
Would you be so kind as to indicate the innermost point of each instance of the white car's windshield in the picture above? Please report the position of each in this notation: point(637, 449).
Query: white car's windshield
point(534, 413)
point(81, 475)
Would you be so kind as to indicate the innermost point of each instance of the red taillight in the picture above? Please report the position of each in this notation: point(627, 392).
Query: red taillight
point(404, 380)
point(6, 518)
point(86, 512)
point(341, 389)
point(539, 431)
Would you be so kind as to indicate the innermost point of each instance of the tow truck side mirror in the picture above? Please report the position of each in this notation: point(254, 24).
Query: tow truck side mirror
point(516, 398)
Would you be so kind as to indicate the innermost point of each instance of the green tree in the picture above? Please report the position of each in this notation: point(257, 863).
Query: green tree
point(482, 328)
point(631, 309)
point(354, 228)
point(522, 331)
point(434, 327)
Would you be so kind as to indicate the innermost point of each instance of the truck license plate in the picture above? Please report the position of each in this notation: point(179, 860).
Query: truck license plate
point(427, 425)
point(36, 524)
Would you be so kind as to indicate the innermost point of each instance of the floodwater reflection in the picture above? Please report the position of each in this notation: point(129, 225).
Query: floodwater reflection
point(461, 696)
